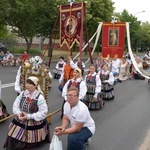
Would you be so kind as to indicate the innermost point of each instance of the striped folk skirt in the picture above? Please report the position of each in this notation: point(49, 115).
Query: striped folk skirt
point(107, 92)
point(91, 104)
point(27, 134)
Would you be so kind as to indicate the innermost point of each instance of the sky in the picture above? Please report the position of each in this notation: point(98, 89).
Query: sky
point(134, 7)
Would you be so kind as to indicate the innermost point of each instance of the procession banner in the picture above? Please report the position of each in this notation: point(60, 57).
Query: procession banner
point(71, 24)
point(113, 38)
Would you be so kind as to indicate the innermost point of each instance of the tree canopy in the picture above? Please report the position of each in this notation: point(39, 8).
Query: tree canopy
point(31, 18)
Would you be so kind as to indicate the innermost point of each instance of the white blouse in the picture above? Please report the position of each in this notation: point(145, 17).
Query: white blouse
point(82, 88)
point(42, 106)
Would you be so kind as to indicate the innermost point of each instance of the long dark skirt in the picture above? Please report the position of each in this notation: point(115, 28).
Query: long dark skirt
point(107, 92)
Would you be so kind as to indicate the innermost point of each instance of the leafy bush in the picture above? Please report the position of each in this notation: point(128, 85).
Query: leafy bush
point(35, 52)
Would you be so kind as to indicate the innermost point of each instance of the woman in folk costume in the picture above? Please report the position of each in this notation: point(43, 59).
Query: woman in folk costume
point(29, 128)
point(93, 83)
point(107, 79)
point(77, 82)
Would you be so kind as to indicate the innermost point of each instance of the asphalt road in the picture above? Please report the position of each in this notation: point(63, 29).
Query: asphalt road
point(123, 124)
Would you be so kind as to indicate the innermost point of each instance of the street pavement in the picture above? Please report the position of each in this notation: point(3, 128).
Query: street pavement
point(123, 124)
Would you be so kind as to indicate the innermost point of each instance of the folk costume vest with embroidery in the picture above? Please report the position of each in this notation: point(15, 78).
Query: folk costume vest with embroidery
point(75, 84)
point(60, 65)
point(104, 77)
point(29, 105)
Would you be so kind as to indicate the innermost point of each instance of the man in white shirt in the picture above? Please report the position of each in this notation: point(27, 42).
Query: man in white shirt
point(82, 125)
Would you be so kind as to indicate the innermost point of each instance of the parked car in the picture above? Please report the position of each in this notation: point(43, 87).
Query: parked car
point(3, 48)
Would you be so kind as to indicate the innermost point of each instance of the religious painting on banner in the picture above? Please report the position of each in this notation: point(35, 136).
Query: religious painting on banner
point(71, 24)
point(113, 38)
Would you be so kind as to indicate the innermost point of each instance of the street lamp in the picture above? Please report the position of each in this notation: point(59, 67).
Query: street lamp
point(139, 12)
point(136, 18)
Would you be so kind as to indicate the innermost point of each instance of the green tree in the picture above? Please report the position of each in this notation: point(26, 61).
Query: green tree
point(29, 18)
point(145, 35)
point(3, 32)
point(135, 27)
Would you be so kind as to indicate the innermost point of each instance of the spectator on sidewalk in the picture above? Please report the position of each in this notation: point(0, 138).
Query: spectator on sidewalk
point(1, 56)
point(25, 56)
point(8, 59)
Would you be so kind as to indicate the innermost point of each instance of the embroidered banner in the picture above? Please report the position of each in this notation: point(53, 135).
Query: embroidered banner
point(71, 24)
point(113, 37)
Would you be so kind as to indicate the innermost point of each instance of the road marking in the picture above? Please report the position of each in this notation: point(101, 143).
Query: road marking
point(7, 85)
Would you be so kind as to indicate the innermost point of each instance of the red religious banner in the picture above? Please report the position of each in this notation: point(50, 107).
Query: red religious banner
point(113, 37)
point(71, 24)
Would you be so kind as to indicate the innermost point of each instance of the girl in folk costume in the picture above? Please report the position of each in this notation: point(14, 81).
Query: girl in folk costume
point(99, 62)
point(59, 67)
point(67, 73)
point(80, 65)
point(29, 128)
point(107, 79)
point(76, 81)
point(93, 83)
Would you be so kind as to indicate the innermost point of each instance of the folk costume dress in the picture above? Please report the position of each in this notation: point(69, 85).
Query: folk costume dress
point(78, 83)
point(107, 79)
point(58, 70)
point(31, 132)
point(93, 84)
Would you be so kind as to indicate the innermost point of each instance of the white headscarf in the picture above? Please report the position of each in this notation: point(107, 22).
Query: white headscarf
point(35, 80)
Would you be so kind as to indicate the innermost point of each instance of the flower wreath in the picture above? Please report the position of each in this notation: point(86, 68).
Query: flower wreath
point(36, 60)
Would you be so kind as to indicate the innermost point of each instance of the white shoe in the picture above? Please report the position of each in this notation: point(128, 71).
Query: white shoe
point(88, 141)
